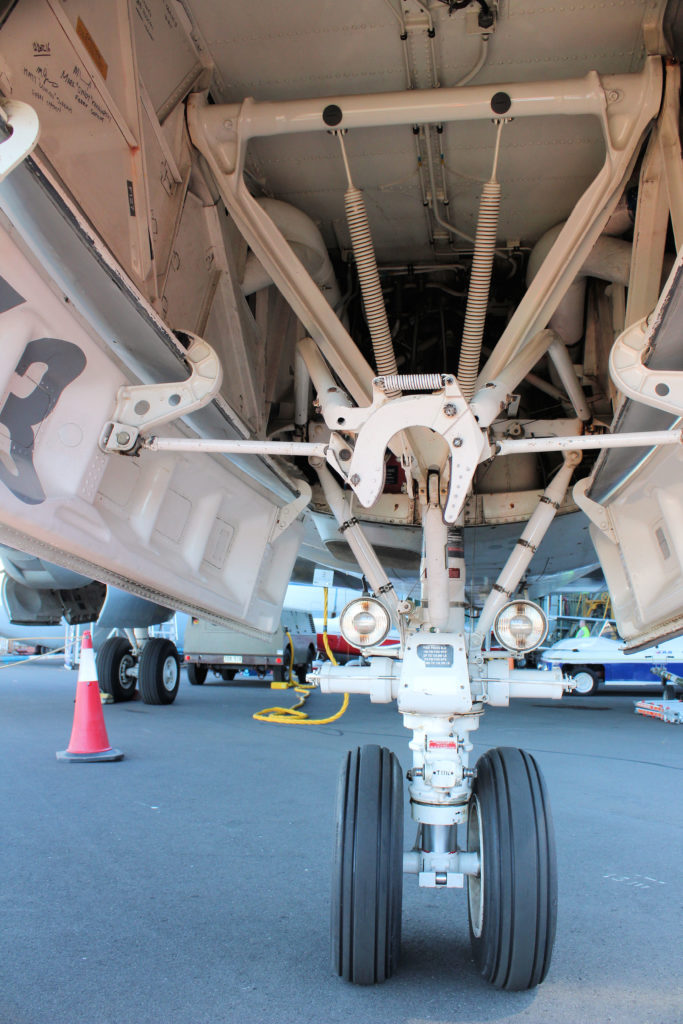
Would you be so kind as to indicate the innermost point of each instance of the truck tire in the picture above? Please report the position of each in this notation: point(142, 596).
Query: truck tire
point(303, 670)
point(197, 673)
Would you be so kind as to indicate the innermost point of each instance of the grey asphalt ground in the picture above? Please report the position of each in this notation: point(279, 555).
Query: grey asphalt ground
point(188, 884)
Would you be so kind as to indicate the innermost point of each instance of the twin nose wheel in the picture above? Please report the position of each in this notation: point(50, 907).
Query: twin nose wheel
point(512, 902)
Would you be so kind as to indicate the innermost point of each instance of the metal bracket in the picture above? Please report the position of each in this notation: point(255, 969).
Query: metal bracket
point(661, 389)
point(145, 406)
point(23, 122)
point(289, 513)
point(445, 412)
point(597, 513)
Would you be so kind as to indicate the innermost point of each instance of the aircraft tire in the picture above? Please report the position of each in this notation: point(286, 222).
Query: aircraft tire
point(159, 671)
point(367, 885)
point(512, 904)
point(586, 680)
point(303, 670)
point(114, 658)
point(197, 673)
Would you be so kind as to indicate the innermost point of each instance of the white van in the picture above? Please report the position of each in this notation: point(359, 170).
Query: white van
point(227, 651)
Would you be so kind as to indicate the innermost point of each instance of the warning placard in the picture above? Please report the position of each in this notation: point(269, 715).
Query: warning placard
point(436, 655)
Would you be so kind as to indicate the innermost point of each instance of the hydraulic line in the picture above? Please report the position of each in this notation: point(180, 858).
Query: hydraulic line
point(480, 279)
point(368, 274)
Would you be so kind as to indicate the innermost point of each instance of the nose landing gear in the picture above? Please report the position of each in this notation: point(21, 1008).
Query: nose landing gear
point(509, 861)
point(442, 682)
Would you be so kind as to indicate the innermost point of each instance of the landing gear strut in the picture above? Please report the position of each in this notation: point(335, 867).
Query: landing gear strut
point(442, 681)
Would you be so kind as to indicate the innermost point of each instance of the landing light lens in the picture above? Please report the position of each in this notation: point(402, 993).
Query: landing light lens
point(364, 622)
point(520, 626)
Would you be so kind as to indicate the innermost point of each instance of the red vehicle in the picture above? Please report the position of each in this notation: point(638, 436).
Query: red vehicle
point(342, 649)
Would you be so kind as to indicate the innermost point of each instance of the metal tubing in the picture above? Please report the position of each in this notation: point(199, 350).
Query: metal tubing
point(434, 201)
point(523, 552)
point(302, 390)
point(461, 861)
point(327, 391)
point(273, 251)
point(439, 838)
point(646, 439)
point(641, 101)
point(489, 401)
point(565, 368)
point(569, 96)
point(355, 537)
point(202, 444)
point(435, 533)
point(456, 575)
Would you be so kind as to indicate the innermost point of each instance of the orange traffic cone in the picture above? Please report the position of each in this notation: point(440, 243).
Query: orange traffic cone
point(89, 741)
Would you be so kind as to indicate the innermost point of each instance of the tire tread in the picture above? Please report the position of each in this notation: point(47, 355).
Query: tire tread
point(368, 873)
point(154, 653)
point(107, 663)
point(520, 881)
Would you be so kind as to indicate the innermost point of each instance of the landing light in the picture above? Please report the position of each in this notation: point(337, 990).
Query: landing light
point(364, 622)
point(520, 626)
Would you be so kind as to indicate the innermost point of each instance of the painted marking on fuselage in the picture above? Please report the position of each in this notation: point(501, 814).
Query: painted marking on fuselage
point(9, 296)
point(19, 415)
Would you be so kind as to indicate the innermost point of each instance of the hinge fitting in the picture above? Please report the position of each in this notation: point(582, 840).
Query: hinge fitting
point(145, 406)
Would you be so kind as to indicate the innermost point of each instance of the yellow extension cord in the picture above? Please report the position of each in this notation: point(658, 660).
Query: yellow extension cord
point(293, 715)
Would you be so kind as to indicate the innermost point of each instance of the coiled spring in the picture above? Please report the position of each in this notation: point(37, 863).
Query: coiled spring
point(366, 264)
point(480, 281)
point(413, 382)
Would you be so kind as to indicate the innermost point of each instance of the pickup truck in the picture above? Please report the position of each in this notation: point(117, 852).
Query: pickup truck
point(226, 652)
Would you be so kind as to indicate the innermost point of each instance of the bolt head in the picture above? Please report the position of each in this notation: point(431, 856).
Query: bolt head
point(457, 442)
point(355, 479)
point(123, 437)
point(450, 409)
point(345, 454)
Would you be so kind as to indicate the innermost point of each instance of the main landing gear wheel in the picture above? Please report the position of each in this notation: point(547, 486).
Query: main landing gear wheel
point(367, 882)
point(159, 671)
point(512, 903)
point(197, 673)
point(114, 660)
